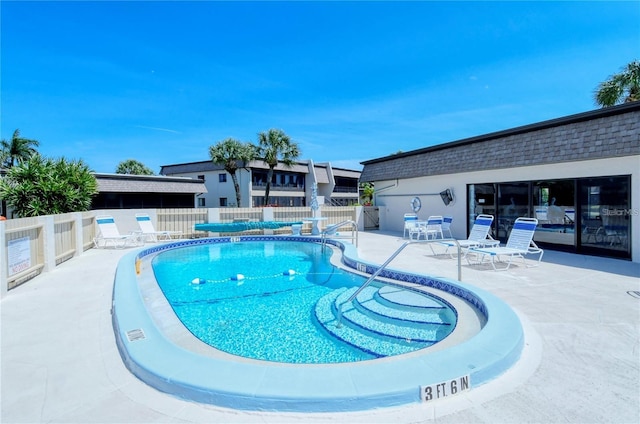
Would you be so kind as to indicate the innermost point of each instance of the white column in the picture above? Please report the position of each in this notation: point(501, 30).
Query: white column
point(267, 215)
point(79, 232)
point(49, 242)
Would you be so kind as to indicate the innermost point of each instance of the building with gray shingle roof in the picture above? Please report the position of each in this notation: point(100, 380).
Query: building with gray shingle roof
point(587, 165)
point(123, 191)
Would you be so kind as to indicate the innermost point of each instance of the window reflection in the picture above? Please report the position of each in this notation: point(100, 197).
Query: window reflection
point(590, 215)
point(554, 208)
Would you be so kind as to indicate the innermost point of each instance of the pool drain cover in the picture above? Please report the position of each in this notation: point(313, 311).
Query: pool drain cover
point(135, 335)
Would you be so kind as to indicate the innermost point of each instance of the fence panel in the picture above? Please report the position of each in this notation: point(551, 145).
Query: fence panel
point(88, 230)
point(240, 214)
point(292, 214)
point(65, 237)
point(24, 249)
point(182, 219)
point(337, 214)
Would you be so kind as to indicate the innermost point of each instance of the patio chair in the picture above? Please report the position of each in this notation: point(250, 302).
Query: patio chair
point(478, 237)
point(108, 234)
point(431, 229)
point(434, 227)
point(416, 229)
point(446, 226)
point(409, 222)
point(519, 244)
point(149, 232)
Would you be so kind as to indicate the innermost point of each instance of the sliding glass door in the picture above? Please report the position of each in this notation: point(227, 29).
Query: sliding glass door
point(605, 215)
point(584, 215)
point(513, 203)
point(554, 207)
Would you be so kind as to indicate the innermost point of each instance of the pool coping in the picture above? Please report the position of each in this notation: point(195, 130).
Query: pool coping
point(260, 385)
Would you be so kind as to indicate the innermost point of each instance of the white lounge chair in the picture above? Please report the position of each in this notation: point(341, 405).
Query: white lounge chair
point(149, 232)
point(108, 234)
point(478, 237)
point(519, 244)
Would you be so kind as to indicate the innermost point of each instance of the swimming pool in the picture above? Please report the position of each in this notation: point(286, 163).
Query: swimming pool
point(157, 349)
point(266, 299)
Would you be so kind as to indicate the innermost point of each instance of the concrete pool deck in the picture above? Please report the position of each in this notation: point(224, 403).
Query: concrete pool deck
point(581, 361)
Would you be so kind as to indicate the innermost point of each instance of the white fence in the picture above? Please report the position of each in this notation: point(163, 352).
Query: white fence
point(30, 246)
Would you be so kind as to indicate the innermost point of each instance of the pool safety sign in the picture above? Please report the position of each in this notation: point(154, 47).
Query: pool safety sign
point(19, 255)
point(445, 389)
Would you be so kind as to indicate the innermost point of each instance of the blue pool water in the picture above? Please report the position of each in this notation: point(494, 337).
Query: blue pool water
point(257, 299)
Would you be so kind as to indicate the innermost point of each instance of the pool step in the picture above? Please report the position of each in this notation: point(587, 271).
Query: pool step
point(384, 322)
point(402, 308)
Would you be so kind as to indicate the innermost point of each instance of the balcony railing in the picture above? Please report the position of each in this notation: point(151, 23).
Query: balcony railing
point(345, 189)
point(278, 187)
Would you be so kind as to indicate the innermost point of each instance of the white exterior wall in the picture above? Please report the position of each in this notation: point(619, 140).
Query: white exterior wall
point(216, 190)
point(393, 197)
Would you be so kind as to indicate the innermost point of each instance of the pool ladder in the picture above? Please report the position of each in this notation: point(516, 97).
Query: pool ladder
point(387, 262)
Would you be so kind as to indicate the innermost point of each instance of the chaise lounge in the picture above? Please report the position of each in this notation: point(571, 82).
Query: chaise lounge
point(519, 244)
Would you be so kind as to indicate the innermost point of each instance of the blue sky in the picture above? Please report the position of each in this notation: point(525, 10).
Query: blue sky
point(160, 82)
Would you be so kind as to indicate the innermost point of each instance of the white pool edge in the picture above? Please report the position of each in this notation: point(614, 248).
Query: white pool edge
point(256, 385)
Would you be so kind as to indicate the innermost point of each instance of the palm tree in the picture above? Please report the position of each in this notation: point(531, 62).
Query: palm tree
point(622, 87)
point(133, 167)
point(275, 147)
point(17, 150)
point(231, 153)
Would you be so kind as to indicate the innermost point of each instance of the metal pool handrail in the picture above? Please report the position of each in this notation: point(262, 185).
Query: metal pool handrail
point(384, 265)
point(354, 231)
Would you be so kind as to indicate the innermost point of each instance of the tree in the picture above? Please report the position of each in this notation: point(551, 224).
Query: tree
point(133, 167)
point(367, 190)
point(274, 146)
point(17, 150)
point(41, 186)
point(622, 87)
point(230, 153)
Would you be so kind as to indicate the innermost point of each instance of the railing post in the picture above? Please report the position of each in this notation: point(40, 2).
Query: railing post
point(459, 261)
point(358, 212)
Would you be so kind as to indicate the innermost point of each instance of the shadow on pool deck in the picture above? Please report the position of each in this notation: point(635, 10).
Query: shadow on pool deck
point(581, 362)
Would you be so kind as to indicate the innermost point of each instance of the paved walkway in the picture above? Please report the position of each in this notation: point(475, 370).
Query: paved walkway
point(581, 363)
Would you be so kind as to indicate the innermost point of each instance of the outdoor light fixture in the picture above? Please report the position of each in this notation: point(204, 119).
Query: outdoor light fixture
point(447, 196)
